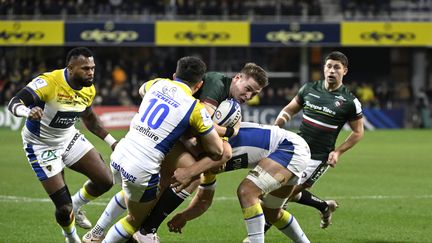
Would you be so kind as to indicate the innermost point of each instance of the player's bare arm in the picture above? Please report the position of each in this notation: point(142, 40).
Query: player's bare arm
point(355, 136)
point(288, 112)
point(183, 176)
point(94, 125)
point(198, 206)
point(19, 105)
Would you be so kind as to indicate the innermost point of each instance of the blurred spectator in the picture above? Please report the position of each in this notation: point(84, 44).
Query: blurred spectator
point(119, 77)
point(423, 107)
point(366, 94)
point(384, 95)
point(186, 8)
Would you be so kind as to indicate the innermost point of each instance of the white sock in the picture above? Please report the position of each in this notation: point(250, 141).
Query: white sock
point(120, 232)
point(255, 228)
point(73, 235)
point(255, 221)
point(288, 225)
point(113, 210)
point(80, 198)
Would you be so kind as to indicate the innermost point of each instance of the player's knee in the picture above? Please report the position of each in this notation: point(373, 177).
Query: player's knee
point(263, 180)
point(63, 214)
point(103, 185)
point(63, 203)
point(106, 183)
point(243, 190)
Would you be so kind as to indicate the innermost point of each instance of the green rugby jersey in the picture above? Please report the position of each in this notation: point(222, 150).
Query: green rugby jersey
point(324, 114)
point(215, 88)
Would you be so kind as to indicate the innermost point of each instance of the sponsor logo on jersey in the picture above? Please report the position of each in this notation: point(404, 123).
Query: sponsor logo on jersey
point(47, 156)
point(64, 119)
point(38, 83)
point(146, 132)
point(314, 95)
point(169, 91)
point(71, 144)
point(166, 98)
point(340, 97)
point(126, 175)
point(325, 109)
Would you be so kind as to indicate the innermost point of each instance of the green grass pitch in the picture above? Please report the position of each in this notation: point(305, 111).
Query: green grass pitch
point(384, 187)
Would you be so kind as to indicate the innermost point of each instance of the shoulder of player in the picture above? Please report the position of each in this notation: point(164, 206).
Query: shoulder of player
point(346, 92)
point(214, 79)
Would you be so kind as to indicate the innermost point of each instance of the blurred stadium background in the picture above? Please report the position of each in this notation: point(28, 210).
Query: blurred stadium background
point(388, 44)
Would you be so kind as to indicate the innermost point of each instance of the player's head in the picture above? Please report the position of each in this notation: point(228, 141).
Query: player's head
point(81, 66)
point(248, 83)
point(191, 71)
point(335, 67)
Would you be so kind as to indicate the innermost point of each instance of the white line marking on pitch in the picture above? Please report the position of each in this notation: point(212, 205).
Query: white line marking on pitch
point(104, 202)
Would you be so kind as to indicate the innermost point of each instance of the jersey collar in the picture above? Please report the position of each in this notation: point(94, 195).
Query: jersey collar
point(182, 82)
point(68, 82)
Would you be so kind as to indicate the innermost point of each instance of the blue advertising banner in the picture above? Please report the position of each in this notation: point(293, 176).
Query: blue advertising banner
point(108, 33)
point(295, 34)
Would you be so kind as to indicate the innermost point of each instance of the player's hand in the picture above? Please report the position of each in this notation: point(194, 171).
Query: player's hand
point(219, 169)
point(333, 158)
point(36, 113)
point(177, 223)
point(237, 127)
point(181, 178)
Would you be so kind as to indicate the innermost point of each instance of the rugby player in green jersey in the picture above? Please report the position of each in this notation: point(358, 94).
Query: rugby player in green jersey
point(327, 105)
point(216, 88)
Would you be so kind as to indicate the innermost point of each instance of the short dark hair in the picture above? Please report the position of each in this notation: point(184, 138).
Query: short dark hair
point(338, 56)
point(190, 69)
point(256, 72)
point(76, 52)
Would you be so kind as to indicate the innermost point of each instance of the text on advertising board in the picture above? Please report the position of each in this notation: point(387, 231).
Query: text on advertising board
point(109, 35)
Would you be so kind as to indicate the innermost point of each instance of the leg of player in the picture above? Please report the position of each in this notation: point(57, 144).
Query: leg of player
point(113, 210)
point(167, 203)
point(273, 204)
point(267, 176)
point(326, 207)
point(127, 226)
point(59, 194)
point(100, 181)
point(170, 199)
point(313, 172)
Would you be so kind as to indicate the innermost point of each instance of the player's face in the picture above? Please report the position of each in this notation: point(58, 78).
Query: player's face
point(244, 88)
point(82, 71)
point(334, 72)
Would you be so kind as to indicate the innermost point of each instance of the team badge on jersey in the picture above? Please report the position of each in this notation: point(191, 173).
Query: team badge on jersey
point(170, 92)
point(38, 83)
point(207, 121)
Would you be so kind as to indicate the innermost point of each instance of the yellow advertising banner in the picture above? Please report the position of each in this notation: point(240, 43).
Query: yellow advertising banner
point(386, 33)
point(31, 33)
point(202, 33)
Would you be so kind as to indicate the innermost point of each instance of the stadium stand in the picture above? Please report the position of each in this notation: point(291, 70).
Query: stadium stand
point(19, 64)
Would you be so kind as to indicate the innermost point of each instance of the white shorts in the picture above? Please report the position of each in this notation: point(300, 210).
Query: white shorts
point(47, 161)
point(138, 184)
point(295, 160)
point(314, 170)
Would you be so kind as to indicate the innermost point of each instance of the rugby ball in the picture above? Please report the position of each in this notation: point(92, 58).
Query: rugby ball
point(228, 113)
